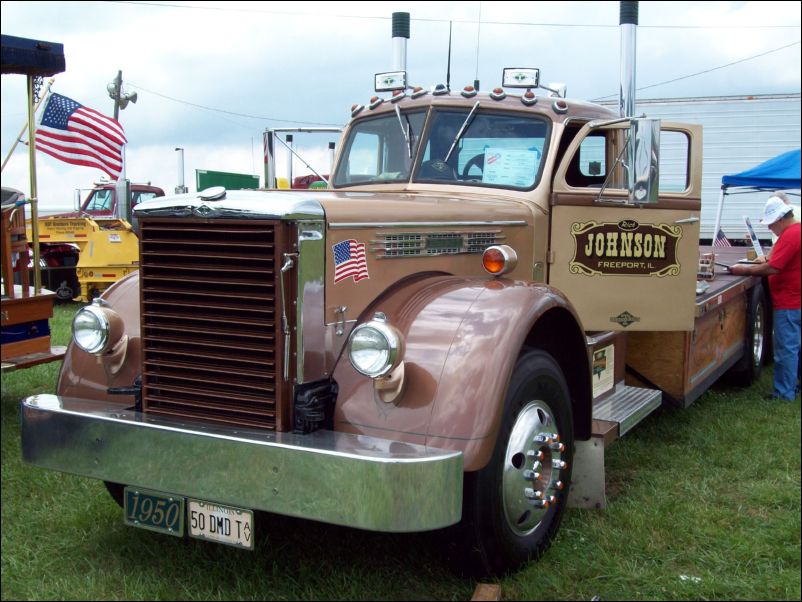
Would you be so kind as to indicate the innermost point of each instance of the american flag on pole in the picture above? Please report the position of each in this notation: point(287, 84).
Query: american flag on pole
point(349, 261)
point(721, 240)
point(79, 135)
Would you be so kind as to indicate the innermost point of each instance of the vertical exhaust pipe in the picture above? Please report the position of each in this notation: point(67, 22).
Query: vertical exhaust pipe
point(400, 37)
point(628, 27)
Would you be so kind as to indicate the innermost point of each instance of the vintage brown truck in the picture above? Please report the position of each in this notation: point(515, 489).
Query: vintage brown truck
point(484, 297)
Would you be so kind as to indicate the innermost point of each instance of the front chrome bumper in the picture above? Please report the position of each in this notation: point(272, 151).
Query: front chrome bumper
point(338, 478)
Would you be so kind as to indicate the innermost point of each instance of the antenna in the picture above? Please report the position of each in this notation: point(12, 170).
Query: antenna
point(448, 66)
point(478, 36)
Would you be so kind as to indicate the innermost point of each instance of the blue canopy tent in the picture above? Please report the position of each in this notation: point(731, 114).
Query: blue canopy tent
point(778, 173)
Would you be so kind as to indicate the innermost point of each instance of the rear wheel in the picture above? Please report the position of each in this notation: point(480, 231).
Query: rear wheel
point(512, 508)
point(749, 368)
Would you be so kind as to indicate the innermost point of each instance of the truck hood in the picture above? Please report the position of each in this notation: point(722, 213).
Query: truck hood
point(341, 208)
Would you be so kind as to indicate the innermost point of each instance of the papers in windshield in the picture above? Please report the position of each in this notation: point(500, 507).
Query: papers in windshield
point(510, 167)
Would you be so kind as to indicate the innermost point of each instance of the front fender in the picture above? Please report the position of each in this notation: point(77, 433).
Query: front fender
point(86, 376)
point(463, 336)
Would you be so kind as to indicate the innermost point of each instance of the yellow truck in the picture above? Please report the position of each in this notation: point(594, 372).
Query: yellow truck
point(85, 251)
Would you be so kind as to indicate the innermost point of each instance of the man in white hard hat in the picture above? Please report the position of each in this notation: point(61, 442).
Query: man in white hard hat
point(784, 270)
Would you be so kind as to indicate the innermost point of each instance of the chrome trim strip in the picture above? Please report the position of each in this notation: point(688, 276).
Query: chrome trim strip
point(255, 204)
point(337, 225)
point(311, 310)
point(338, 478)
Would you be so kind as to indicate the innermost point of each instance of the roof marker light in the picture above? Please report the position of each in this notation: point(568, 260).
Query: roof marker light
point(468, 92)
point(375, 102)
point(356, 109)
point(418, 91)
point(397, 95)
point(498, 94)
point(560, 106)
point(440, 89)
point(529, 98)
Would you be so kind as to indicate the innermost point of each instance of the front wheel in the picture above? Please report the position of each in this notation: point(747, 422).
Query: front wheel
point(512, 508)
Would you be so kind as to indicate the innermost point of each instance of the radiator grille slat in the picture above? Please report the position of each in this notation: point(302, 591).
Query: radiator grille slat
point(210, 321)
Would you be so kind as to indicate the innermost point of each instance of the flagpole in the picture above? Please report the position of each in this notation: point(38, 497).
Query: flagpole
point(34, 199)
point(45, 96)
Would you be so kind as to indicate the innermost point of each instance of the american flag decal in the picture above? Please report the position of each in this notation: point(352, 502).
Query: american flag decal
point(349, 261)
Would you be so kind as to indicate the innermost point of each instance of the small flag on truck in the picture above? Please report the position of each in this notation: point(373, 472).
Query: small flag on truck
point(79, 135)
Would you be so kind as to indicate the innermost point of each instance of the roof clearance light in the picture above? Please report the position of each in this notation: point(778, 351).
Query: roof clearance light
point(498, 94)
point(397, 95)
point(520, 78)
point(560, 106)
point(418, 91)
point(529, 98)
point(356, 109)
point(469, 91)
point(375, 102)
point(440, 89)
point(393, 80)
point(499, 260)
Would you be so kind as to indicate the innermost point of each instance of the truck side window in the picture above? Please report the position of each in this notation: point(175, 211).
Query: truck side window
point(588, 167)
point(674, 157)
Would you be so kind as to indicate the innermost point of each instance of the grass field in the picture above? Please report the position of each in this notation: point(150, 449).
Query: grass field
point(704, 504)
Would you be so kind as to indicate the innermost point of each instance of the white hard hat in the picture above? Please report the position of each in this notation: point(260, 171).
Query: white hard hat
point(775, 210)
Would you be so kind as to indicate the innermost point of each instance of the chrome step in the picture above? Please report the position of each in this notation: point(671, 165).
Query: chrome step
point(627, 406)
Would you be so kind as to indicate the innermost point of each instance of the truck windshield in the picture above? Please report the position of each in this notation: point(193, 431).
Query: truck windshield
point(494, 150)
point(377, 151)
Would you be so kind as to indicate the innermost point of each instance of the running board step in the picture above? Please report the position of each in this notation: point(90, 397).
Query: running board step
point(627, 406)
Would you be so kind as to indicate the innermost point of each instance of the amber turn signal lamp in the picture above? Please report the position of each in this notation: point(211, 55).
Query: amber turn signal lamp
point(499, 260)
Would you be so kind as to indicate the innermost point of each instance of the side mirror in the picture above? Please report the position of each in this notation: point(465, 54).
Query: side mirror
point(643, 176)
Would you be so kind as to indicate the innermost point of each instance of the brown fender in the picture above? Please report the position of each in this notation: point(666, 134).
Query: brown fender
point(87, 377)
point(463, 336)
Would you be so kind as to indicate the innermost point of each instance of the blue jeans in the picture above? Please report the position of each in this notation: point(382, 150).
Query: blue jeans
point(786, 352)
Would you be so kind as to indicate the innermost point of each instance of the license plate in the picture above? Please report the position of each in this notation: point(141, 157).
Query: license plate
point(221, 524)
point(154, 511)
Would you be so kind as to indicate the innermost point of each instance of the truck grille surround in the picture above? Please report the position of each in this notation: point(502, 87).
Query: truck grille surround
point(211, 317)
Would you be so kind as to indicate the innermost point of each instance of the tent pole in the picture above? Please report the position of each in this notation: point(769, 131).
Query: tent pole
point(718, 215)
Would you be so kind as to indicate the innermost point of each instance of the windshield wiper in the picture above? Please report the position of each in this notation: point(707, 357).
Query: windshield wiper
point(464, 127)
point(406, 132)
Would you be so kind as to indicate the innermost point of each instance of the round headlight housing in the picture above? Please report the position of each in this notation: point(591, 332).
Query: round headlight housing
point(96, 329)
point(375, 348)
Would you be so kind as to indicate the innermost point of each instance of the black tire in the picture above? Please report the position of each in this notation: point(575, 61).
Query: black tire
point(513, 507)
point(750, 366)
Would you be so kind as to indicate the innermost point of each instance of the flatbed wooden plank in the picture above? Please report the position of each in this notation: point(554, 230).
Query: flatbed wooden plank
point(33, 359)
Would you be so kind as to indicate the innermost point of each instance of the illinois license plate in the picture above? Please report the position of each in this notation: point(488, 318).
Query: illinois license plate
point(154, 511)
point(222, 524)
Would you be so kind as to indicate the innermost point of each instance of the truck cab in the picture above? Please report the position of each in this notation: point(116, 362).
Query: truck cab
point(101, 200)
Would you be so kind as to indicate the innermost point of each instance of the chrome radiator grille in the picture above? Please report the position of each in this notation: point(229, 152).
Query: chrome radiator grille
point(211, 321)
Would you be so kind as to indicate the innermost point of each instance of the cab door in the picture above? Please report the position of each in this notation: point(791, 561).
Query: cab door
point(627, 266)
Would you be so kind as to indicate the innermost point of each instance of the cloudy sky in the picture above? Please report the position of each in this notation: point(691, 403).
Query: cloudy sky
point(212, 76)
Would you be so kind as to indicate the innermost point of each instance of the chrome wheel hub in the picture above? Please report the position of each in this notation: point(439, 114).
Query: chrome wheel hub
point(532, 466)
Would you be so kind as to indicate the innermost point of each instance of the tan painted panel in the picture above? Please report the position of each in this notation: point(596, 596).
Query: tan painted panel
point(626, 268)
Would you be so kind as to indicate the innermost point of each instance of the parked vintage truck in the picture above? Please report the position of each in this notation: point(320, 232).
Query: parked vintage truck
point(84, 251)
point(447, 337)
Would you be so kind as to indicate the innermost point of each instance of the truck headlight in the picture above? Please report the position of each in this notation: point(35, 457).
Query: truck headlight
point(96, 329)
point(375, 348)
